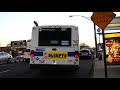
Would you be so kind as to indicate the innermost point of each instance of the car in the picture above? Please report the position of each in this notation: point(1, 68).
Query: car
point(26, 55)
point(92, 51)
point(19, 57)
point(85, 53)
point(5, 58)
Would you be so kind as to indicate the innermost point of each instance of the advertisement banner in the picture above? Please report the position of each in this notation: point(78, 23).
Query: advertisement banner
point(113, 50)
point(20, 44)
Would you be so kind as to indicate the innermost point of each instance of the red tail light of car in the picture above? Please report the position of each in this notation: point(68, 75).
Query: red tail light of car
point(76, 54)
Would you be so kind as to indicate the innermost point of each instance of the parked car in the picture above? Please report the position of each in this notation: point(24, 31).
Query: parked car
point(85, 53)
point(5, 57)
point(26, 56)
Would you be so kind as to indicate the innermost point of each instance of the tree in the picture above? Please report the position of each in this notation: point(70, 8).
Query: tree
point(83, 45)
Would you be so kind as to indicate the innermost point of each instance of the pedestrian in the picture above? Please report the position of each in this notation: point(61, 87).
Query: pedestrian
point(13, 54)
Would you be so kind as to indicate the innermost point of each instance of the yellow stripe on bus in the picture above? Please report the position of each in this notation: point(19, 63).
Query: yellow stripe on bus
point(56, 55)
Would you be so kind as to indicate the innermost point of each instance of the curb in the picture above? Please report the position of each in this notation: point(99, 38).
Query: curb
point(92, 68)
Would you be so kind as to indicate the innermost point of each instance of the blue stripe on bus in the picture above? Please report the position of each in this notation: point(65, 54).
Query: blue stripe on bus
point(41, 53)
point(38, 53)
point(71, 53)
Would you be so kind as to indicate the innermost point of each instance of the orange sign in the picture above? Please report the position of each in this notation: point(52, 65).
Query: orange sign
point(102, 19)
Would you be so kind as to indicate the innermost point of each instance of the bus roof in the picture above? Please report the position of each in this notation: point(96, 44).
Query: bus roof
point(56, 26)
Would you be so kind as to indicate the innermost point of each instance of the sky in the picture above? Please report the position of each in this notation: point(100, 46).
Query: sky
point(18, 25)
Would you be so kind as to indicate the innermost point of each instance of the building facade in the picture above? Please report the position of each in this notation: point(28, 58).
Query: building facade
point(29, 43)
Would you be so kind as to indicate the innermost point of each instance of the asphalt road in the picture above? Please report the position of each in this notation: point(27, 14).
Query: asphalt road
point(22, 70)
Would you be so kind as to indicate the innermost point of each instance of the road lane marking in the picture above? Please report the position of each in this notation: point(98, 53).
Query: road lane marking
point(5, 71)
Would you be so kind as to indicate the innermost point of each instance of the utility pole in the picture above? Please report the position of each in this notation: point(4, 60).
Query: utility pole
point(99, 41)
point(95, 40)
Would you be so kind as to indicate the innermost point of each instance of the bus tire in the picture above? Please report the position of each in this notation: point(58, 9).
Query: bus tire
point(76, 69)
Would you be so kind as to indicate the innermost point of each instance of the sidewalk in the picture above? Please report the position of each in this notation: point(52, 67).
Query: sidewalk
point(99, 69)
point(113, 71)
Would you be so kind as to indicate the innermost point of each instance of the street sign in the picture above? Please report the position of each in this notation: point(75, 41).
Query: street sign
point(102, 19)
point(98, 29)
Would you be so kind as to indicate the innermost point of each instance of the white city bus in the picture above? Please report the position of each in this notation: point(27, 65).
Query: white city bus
point(55, 46)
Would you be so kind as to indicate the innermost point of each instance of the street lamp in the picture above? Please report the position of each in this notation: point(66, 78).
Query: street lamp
point(80, 16)
point(94, 30)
